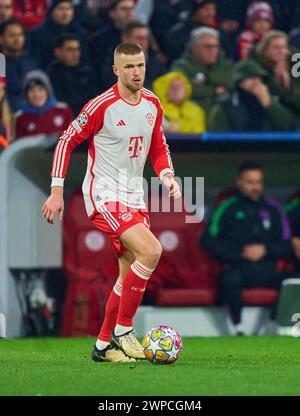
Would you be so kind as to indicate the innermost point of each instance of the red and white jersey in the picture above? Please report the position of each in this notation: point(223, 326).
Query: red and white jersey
point(120, 135)
point(246, 42)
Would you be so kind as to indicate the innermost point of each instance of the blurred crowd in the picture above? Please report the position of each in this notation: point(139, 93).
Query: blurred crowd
point(216, 65)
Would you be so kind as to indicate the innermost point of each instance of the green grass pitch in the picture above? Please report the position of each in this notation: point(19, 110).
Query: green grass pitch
point(207, 366)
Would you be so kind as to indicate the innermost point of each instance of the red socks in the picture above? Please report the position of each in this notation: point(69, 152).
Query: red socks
point(125, 299)
point(111, 313)
point(133, 289)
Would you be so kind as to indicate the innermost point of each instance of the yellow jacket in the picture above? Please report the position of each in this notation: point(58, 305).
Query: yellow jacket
point(190, 116)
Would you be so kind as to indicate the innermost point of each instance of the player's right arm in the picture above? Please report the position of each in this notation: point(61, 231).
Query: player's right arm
point(83, 127)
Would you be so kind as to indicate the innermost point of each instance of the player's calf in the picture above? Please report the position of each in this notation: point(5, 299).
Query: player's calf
point(133, 289)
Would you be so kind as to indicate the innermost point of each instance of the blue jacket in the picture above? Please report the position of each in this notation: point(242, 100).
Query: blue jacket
point(16, 69)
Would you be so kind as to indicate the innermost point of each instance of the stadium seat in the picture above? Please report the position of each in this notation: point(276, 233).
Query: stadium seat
point(186, 275)
point(259, 296)
point(88, 255)
point(84, 308)
point(223, 195)
point(185, 297)
point(90, 268)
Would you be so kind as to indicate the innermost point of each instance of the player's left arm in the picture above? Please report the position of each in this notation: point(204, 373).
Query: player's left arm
point(160, 157)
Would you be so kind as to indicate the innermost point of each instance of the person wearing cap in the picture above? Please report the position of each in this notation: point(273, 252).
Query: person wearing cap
point(7, 124)
point(18, 61)
point(40, 112)
point(202, 64)
point(204, 13)
point(259, 21)
point(60, 20)
point(181, 114)
point(250, 106)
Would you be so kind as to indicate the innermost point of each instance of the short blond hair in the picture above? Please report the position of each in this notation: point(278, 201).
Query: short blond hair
point(127, 48)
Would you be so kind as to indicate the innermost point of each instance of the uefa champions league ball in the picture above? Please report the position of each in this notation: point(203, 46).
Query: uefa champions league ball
point(162, 345)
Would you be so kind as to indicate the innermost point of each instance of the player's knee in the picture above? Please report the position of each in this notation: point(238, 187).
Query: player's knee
point(152, 254)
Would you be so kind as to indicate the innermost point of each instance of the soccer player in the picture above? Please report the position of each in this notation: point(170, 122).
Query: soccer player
point(123, 125)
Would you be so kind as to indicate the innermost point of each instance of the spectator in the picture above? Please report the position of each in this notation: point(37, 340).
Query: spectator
point(73, 82)
point(250, 106)
point(18, 61)
point(181, 115)
point(204, 13)
point(273, 54)
point(208, 73)
point(7, 126)
point(293, 17)
point(30, 13)
point(229, 28)
point(139, 33)
point(293, 21)
point(248, 233)
point(284, 13)
point(40, 112)
point(162, 15)
point(260, 20)
point(232, 8)
point(148, 10)
point(60, 20)
point(97, 7)
point(121, 13)
point(6, 10)
point(87, 14)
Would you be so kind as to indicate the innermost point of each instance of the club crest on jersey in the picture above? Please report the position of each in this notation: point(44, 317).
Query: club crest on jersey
point(150, 118)
point(126, 216)
point(82, 119)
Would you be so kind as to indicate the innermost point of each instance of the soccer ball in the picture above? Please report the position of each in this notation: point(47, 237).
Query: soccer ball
point(162, 345)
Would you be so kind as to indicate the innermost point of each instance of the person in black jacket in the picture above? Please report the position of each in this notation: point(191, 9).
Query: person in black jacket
point(18, 61)
point(250, 106)
point(248, 233)
point(60, 20)
point(73, 82)
point(204, 13)
point(162, 15)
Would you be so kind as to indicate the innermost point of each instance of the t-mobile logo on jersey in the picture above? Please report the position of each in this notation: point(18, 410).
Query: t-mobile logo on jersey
point(135, 145)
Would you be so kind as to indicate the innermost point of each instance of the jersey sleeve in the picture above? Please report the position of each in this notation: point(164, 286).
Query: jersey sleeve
point(83, 127)
point(159, 150)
